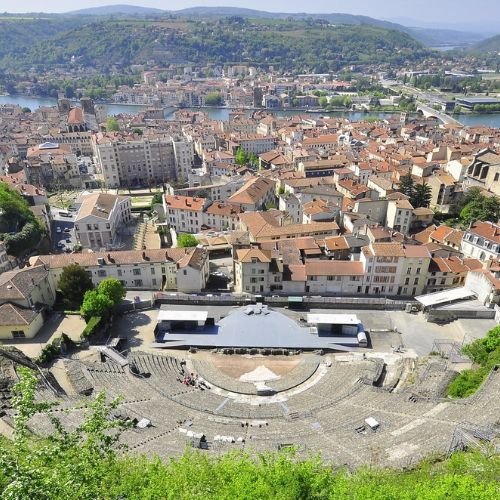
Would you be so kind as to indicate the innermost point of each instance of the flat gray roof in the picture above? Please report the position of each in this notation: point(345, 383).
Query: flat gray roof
point(445, 297)
point(240, 330)
point(332, 319)
point(173, 315)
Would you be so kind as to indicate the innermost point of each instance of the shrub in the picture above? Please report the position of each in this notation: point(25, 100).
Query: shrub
point(50, 351)
point(185, 240)
point(485, 353)
point(92, 326)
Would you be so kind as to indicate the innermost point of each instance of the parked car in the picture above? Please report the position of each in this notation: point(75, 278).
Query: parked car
point(58, 230)
point(67, 230)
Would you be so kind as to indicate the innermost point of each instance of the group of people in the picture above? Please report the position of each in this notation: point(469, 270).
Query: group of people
point(192, 379)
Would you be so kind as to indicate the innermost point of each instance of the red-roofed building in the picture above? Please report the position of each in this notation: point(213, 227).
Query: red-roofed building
point(185, 213)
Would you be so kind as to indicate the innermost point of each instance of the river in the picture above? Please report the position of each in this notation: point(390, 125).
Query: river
point(488, 120)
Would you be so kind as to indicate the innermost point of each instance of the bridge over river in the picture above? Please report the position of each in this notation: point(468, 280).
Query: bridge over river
point(427, 111)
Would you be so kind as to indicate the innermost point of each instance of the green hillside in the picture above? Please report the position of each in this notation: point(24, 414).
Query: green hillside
point(489, 45)
point(289, 44)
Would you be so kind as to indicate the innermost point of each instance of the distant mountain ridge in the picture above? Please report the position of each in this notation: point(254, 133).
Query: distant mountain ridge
point(428, 36)
point(489, 45)
point(110, 10)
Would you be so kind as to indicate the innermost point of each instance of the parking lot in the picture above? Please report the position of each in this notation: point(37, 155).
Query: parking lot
point(63, 231)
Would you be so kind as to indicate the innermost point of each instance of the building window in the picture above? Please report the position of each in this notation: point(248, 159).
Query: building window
point(184, 272)
point(137, 272)
point(152, 270)
point(119, 272)
point(18, 334)
point(137, 283)
point(101, 273)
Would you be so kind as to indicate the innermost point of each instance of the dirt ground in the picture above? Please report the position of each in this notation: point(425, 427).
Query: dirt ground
point(236, 366)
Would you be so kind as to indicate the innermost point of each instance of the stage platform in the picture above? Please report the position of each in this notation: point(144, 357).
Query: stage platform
point(254, 327)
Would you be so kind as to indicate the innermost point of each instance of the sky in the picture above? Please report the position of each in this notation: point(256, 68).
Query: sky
point(438, 11)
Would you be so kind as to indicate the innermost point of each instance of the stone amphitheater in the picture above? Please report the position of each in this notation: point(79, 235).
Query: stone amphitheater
point(317, 404)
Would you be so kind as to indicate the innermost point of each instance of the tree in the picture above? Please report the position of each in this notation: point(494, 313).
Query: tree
point(422, 195)
point(26, 110)
point(96, 304)
point(67, 465)
point(406, 185)
point(213, 99)
point(69, 91)
point(73, 284)
point(157, 199)
point(113, 289)
point(479, 207)
point(240, 157)
point(112, 124)
point(185, 240)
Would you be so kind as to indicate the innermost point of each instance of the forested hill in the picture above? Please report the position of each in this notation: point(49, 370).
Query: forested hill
point(301, 45)
point(429, 37)
point(489, 45)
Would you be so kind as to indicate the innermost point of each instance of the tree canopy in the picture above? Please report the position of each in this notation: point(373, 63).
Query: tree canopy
point(421, 195)
point(407, 185)
point(96, 304)
point(112, 124)
point(185, 240)
point(213, 99)
point(113, 289)
point(19, 228)
point(479, 207)
point(73, 284)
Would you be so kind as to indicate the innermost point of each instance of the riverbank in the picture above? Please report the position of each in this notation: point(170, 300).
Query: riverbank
point(221, 113)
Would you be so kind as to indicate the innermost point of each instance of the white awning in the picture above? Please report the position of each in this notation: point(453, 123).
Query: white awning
point(445, 297)
point(168, 315)
point(332, 319)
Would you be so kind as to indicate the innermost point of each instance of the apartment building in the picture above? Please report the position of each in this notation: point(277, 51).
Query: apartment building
point(482, 241)
point(181, 269)
point(263, 226)
point(326, 277)
point(445, 192)
point(131, 160)
point(222, 216)
point(383, 264)
point(255, 271)
point(290, 204)
point(399, 215)
point(185, 213)
point(255, 194)
point(414, 272)
point(253, 143)
point(451, 272)
point(51, 164)
point(100, 218)
point(24, 294)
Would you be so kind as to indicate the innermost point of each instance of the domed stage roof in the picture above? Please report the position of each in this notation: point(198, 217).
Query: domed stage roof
point(246, 327)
